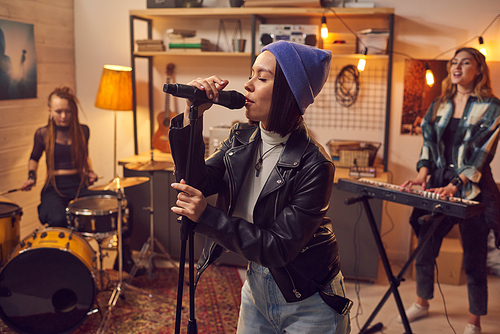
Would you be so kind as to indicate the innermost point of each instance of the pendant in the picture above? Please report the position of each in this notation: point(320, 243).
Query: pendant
point(258, 167)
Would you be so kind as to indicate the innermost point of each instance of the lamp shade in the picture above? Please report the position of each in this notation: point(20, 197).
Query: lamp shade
point(115, 88)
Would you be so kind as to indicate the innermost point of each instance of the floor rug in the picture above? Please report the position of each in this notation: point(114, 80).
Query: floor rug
point(217, 301)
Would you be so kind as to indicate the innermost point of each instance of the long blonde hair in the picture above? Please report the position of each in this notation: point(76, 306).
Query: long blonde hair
point(482, 82)
point(79, 149)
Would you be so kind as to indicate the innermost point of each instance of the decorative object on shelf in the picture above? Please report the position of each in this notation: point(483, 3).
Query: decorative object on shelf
point(307, 34)
point(192, 3)
point(373, 40)
point(238, 43)
point(236, 3)
point(163, 3)
point(150, 45)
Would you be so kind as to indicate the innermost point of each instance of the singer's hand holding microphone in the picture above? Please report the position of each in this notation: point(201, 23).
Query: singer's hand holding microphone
point(206, 91)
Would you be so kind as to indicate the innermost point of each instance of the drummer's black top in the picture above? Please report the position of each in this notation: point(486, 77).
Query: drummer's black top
point(62, 150)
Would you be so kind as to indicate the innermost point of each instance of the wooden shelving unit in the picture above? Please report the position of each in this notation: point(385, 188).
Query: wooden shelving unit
point(381, 17)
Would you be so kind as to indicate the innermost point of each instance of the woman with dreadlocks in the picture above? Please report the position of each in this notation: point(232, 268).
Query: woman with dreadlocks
point(69, 171)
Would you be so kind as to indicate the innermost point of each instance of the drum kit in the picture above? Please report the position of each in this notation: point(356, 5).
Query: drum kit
point(47, 280)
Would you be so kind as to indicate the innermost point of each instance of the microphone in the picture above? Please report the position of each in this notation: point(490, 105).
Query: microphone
point(230, 99)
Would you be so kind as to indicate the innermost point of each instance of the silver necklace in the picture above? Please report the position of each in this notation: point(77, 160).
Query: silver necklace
point(258, 165)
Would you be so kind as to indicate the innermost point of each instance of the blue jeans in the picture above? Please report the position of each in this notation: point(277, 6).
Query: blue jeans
point(474, 233)
point(264, 309)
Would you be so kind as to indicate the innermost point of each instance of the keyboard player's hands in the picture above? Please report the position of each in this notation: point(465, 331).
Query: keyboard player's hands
point(448, 191)
point(420, 180)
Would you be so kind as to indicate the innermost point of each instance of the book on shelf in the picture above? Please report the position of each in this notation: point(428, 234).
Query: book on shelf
point(190, 43)
point(188, 40)
point(150, 45)
point(187, 46)
point(372, 31)
point(282, 3)
point(181, 32)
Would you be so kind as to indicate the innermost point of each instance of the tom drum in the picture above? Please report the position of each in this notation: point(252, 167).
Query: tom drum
point(96, 214)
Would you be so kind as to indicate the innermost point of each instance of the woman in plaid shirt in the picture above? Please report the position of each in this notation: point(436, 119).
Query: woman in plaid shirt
point(460, 131)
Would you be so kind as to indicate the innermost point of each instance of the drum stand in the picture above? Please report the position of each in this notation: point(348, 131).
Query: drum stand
point(120, 285)
point(149, 245)
point(102, 273)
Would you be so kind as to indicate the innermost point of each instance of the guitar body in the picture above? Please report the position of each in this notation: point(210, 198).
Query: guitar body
point(160, 137)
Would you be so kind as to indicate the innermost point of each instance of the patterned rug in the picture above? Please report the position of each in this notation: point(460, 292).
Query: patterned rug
point(217, 303)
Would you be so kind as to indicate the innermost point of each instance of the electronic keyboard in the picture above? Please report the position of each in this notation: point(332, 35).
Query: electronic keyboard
point(426, 200)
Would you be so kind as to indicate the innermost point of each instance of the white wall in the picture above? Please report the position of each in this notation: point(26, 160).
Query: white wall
point(423, 29)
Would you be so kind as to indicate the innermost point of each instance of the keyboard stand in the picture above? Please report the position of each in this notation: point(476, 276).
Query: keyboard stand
point(434, 219)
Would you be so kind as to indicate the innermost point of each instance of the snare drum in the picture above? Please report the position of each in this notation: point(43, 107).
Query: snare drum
point(96, 214)
point(10, 216)
point(48, 285)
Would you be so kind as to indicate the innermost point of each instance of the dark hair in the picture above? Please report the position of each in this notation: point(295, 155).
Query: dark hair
point(284, 115)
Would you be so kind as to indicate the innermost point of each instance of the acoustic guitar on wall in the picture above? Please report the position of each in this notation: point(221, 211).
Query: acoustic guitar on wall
point(160, 138)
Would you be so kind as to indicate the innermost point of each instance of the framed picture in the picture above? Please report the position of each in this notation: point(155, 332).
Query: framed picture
point(417, 94)
point(18, 76)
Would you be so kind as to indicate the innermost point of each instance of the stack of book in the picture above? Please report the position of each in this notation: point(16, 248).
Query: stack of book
point(282, 3)
point(188, 44)
point(150, 45)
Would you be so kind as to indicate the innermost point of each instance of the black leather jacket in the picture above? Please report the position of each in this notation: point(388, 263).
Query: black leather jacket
point(290, 233)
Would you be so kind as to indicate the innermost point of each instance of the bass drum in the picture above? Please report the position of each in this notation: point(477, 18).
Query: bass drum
point(48, 285)
point(10, 217)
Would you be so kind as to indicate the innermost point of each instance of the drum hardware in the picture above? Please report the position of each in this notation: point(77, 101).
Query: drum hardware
point(120, 284)
point(99, 238)
point(149, 246)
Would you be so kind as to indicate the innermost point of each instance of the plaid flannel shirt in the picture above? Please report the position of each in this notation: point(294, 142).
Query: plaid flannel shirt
point(474, 144)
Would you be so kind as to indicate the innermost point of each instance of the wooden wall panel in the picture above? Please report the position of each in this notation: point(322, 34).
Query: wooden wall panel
point(54, 43)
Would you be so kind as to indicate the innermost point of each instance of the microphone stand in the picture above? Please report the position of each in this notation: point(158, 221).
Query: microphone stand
point(187, 234)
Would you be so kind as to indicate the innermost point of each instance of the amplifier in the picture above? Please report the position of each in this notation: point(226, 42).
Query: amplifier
point(302, 34)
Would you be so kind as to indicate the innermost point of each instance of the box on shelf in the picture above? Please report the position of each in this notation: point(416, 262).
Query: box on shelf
point(339, 43)
point(449, 262)
point(374, 40)
point(353, 153)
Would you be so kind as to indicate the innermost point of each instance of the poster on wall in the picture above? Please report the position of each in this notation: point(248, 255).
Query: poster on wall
point(18, 79)
point(418, 95)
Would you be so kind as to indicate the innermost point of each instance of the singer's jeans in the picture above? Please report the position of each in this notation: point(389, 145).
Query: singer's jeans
point(264, 310)
point(474, 232)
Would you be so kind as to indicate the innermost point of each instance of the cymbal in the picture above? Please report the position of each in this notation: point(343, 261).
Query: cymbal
point(150, 165)
point(121, 182)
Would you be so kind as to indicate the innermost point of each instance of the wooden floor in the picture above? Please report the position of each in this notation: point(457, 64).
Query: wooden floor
point(367, 295)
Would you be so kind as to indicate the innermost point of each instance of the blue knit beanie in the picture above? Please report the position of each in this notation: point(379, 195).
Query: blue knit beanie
point(305, 67)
